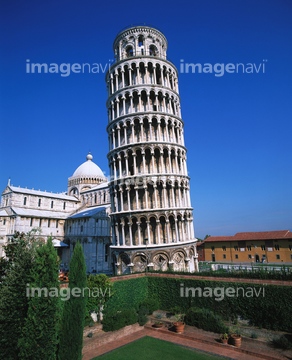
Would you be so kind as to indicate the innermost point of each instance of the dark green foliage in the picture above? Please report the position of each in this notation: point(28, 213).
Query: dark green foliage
point(142, 315)
point(117, 320)
point(74, 310)
point(283, 342)
point(151, 304)
point(271, 309)
point(257, 272)
point(40, 332)
point(16, 271)
point(128, 294)
point(205, 319)
point(100, 290)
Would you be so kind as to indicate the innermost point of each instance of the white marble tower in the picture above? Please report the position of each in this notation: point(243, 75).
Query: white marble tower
point(149, 186)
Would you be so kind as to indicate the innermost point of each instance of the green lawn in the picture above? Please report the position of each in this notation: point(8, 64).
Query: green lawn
point(148, 348)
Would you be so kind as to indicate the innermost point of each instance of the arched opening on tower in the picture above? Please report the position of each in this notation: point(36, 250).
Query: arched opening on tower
point(153, 235)
point(148, 158)
point(151, 199)
point(134, 229)
point(141, 41)
point(137, 130)
point(139, 162)
point(129, 51)
point(142, 73)
point(157, 168)
point(143, 227)
point(144, 100)
point(154, 127)
point(158, 75)
point(153, 50)
point(153, 102)
point(172, 228)
point(163, 234)
point(127, 232)
point(163, 129)
point(126, 76)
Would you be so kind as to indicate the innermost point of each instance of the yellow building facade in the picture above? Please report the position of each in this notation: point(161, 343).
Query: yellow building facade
point(247, 247)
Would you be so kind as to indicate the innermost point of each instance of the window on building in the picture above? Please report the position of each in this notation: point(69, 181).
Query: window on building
point(224, 256)
point(40, 223)
point(57, 224)
point(64, 206)
point(291, 256)
point(248, 248)
point(129, 51)
point(140, 40)
point(278, 257)
point(290, 247)
point(104, 197)
point(277, 247)
point(31, 221)
point(236, 248)
point(213, 248)
point(106, 252)
point(224, 248)
point(4, 221)
point(24, 200)
point(81, 228)
point(49, 222)
point(249, 257)
point(52, 204)
point(40, 202)
point(236, 256)
point(152, 50)
point(263, 247)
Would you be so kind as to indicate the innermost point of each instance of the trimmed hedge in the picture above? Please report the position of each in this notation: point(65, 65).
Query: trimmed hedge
point(257, 272)
point(127, 294)
point(266, 306)
point(117, 320)
point(205, 319)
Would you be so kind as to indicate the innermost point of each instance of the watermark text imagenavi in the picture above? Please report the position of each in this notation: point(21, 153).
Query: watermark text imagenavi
point(220, 69)
point(66, 292)
point(219, 293)
point(66, 69)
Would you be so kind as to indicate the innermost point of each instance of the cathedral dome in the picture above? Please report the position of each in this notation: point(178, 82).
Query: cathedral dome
point(88, 169)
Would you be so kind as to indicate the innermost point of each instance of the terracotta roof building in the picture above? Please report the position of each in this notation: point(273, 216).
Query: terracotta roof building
point(246, 247)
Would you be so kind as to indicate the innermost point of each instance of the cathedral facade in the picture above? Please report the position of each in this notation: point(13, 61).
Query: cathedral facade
point(141, 217)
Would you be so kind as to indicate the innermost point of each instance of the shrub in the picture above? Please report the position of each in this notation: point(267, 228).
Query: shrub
point(205, 319)
point(151, 304)
point(283, 342)
point(142, 315)
point(116, 320)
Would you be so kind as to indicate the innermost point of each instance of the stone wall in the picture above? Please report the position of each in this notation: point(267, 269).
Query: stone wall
point(100, 338)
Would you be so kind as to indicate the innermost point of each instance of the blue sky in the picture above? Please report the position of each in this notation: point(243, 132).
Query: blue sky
point(237, 126)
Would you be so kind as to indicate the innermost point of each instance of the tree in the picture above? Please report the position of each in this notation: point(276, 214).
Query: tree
point(16, 274)
point(39, 337)
point(74, 309)
point(100, 290)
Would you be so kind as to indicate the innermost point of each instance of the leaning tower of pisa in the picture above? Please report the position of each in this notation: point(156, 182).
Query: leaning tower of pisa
point(150, 188)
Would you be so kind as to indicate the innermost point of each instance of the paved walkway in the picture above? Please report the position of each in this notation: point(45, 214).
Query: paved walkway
point(196, 339)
